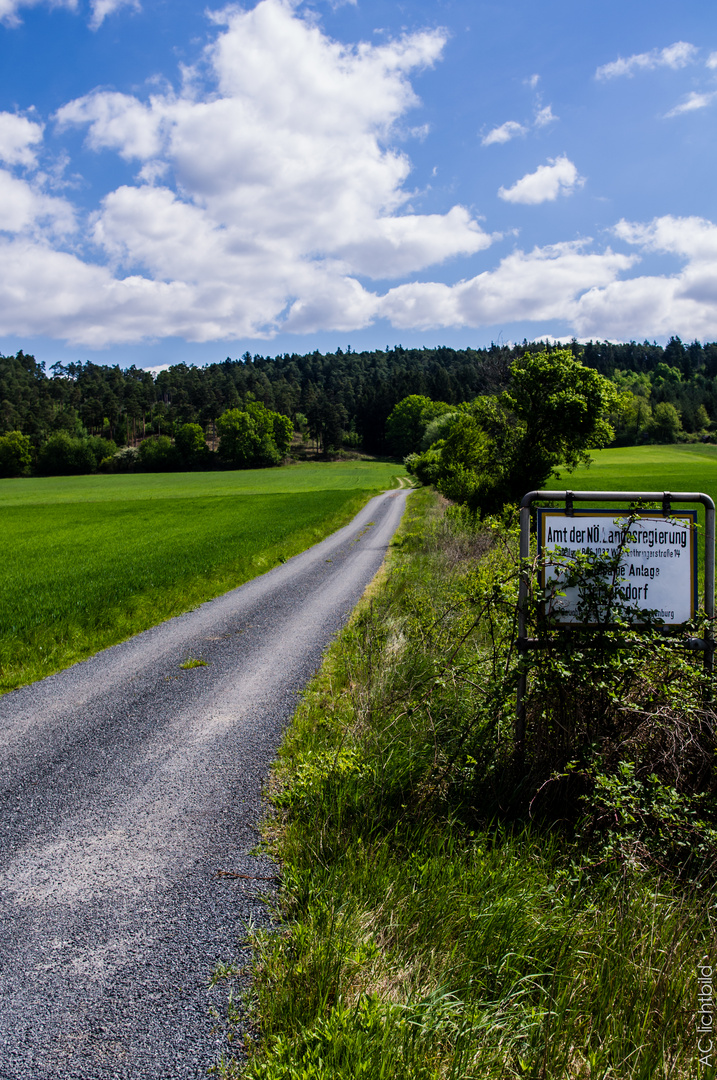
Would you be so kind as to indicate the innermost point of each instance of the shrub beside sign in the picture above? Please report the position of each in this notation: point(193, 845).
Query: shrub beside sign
point(656, 573)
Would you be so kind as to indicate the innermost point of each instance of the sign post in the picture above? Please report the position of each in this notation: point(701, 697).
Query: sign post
point(656, 571)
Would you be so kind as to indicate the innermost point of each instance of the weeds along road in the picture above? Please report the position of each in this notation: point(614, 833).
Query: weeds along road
point(130, 793)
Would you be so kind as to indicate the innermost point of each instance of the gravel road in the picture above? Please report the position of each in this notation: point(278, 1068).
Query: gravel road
point(129, 793)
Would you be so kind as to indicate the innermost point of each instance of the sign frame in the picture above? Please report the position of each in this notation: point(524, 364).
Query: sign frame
point(666, 498)
point(577, 536)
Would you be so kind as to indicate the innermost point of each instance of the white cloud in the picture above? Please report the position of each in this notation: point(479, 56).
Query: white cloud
point(117, 122)
point(585, 290)
point(542, 284)
point(544, 116)
point(651, 307)
point(394, 246)
point(18, 139)
point(511, 129)
point(559, 177)
point(26, 210)
point(678, 55)
point(674, 56)
point(9, 8)
point(691, 102)
point(102, 8)
point(44, 291)
point(691, 238)
point(268, 201)
point(260, 201)
point(152, 171)
point(711, 61)
point(683, 303)
point(503, 134)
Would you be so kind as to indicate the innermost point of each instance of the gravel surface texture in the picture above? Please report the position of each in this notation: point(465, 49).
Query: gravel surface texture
point(130, 791)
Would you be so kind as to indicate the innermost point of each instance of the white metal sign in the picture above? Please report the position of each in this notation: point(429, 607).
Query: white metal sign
point(656, 572)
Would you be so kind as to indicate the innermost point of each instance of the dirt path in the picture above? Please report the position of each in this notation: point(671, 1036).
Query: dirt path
point(130, 791)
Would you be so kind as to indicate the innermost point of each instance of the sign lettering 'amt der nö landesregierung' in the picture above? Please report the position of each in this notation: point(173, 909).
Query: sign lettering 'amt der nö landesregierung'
point(657, 571)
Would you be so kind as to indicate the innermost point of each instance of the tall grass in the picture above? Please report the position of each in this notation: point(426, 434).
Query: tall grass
point(87, 562)
point(420, 934)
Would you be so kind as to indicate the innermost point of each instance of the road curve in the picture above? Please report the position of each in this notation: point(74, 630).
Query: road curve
point(129, 795)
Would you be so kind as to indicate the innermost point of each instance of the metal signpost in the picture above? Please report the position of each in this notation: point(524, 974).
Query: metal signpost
point(656, 573)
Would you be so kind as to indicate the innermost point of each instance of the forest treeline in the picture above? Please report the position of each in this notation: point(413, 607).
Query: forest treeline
point(341, 398)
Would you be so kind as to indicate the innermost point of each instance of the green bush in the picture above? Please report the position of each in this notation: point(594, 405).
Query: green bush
point(254, 436)
point(408, 421)
point(158, 454)
point(191, 444)
point(665, 426)
point(15, 454)
point(64, 455)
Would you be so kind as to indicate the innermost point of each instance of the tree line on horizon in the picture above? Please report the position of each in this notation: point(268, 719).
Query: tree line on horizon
point(334, 399)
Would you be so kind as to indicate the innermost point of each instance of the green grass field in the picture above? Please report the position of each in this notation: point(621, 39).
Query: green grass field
point(648, 468)
point(90, 560)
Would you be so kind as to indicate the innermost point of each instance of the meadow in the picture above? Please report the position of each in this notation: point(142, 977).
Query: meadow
point(90, 560)
point(646, 468)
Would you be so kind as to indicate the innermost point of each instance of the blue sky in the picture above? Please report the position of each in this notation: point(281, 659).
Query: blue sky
point(186, 183)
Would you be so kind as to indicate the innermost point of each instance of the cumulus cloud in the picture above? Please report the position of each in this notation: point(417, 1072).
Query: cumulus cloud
point(684, 302)
point(693, 101)
point(503, 134)
point(675, 56)
point(544, 116)
point(558, 177)
point(99, 9)
point(542, 284)
point(19, 138)
point(586, 290)
point(511, 129)
point(272, 194)
point(711, 61)
point(691, 238)
point(102, 8)
point(117, 122)
point(260, 201)
point(26, 210)
point(9, 9)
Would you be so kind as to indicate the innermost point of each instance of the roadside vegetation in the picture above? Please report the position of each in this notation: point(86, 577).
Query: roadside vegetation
point(450, 907)
point(457, 900)
point(89, 561)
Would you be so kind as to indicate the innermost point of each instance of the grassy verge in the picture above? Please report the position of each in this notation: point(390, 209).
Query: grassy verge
point(89, 561)
point(427, 931)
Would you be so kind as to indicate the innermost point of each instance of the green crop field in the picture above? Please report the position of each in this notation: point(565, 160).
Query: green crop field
point(648, 468)
point(90, 560)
